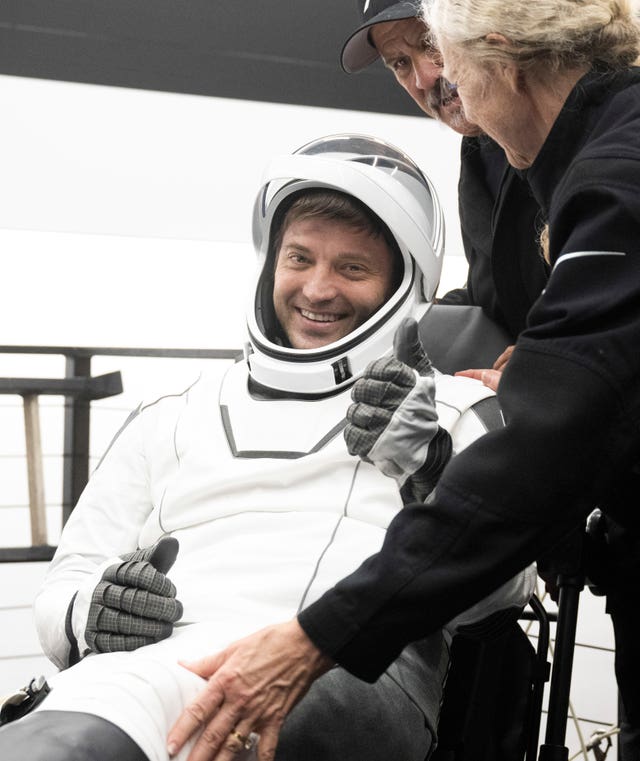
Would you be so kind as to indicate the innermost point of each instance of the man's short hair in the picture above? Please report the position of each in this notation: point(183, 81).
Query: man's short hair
point(335, 206)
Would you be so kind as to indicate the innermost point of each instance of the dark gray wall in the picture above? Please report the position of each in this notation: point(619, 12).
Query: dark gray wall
point(283, 51)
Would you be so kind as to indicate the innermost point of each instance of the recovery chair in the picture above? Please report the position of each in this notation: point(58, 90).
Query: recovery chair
point(492, 701)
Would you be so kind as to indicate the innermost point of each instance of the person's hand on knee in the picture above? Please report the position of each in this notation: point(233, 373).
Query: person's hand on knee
point(129, 602)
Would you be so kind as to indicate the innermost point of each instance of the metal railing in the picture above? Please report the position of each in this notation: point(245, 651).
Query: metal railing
point(79, 388)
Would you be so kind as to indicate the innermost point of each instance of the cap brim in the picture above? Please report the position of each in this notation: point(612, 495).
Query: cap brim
point(357, 51)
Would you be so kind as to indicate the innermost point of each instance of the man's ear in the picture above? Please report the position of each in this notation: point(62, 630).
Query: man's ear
point(508, 68)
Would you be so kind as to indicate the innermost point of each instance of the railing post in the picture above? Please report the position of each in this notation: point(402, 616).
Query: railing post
point(37, 513)
point(75, 471)
point(79, 388)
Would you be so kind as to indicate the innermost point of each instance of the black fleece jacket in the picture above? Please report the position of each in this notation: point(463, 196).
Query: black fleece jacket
point(570, 395)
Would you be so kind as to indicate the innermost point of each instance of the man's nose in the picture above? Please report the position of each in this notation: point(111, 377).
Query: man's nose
point(427, 73)
point(320, 285)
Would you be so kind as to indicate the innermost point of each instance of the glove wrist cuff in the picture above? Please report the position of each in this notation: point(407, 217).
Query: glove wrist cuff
point(79, 611)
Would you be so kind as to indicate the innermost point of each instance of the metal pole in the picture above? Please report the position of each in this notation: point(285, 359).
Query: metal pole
point(75, 468)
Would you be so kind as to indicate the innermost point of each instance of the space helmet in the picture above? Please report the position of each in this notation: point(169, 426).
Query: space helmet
point(389, 184)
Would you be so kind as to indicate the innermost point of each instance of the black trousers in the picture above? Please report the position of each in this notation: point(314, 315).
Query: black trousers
point(66, 736)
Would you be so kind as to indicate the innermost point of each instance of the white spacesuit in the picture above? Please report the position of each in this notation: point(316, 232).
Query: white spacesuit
point(252, 475)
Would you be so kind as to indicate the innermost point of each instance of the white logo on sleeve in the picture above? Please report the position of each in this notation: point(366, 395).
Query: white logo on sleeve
point(582, 254)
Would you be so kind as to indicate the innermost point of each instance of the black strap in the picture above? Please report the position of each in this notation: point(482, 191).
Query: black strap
point(74, 653)
point(24, 701)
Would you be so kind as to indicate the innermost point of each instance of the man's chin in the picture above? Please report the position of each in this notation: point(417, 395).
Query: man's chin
point(315, 339)
point(452, 115)
point(466, 129)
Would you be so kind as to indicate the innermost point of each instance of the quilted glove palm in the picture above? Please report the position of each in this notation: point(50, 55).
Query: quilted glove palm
point(393, 422)
point(132, 602)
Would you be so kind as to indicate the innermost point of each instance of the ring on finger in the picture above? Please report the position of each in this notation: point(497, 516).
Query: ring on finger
point(247, 741)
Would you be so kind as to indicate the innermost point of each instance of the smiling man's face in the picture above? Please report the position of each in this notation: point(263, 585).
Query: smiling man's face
point(418, 69)
point(329, 278)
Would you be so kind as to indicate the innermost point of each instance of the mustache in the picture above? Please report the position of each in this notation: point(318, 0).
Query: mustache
point(442, 94)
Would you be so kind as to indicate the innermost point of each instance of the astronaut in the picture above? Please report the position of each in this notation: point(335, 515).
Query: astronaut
point(251, 478)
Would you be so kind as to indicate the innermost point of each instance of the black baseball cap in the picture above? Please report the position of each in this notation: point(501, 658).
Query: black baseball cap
point(357, 51)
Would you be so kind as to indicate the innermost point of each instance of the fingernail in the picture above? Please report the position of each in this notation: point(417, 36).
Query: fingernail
point(171, 749)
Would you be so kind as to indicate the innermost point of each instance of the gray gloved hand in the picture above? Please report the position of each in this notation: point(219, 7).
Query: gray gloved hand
point(393, 421)
point(131, 604)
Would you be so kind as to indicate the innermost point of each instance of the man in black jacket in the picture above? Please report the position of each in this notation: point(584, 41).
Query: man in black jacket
point(499, 217)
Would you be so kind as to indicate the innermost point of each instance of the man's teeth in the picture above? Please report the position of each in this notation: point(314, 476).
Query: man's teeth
point(319, 317)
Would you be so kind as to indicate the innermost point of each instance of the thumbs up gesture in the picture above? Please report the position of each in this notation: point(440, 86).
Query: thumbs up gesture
point(129, 602)
point(393, 422)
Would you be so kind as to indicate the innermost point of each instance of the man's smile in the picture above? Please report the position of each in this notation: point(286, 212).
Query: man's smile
point(319, 316)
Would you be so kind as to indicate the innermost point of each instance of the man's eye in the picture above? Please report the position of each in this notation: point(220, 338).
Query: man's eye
point(399, 65)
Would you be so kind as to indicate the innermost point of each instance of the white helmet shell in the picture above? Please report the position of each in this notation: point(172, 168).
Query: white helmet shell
point(391, 185)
